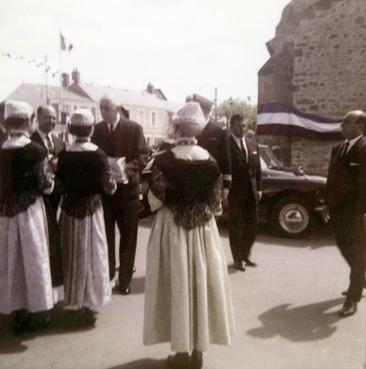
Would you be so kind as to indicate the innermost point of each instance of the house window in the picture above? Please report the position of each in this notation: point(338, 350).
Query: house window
point(153, 119)
point(141, 117)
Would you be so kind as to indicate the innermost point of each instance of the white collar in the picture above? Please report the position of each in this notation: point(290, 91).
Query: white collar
point(354, 140)
point(114, 124)
point(237, 140)
point(44, 135)
point(16, 142)
point(81, 146)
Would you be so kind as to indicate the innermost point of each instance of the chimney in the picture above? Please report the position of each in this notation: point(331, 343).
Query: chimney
point(150, 88)
point(75, 75)
point(65, 80)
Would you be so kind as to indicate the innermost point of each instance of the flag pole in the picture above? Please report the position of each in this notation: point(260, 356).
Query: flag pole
point(46, 77)
point(60, 74)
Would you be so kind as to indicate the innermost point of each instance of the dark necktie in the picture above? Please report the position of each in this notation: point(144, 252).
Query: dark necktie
point(243, 149)
point(343, 151)
point(49, 145)
point(110, 126)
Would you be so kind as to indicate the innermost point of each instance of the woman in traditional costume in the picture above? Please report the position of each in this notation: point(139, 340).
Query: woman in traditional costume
point(84, 174)
point(25, 279)
point(187, 294)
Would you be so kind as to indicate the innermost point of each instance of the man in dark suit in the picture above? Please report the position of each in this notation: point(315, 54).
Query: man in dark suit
point(244, 194)
point(121, 137)
point(346, 199)
point(46, 116)
point(216, 141)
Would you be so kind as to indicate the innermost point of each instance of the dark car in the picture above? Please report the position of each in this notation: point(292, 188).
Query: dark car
point(291, 199)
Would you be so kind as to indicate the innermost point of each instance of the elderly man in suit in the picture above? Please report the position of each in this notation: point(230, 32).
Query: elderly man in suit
point(46, 117)
point(244, 194)
point(120, 137)
point(215, 140)
point(346, 199)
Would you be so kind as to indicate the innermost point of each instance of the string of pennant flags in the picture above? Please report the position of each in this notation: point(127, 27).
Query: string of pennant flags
point(36, 63)
point(64, 46)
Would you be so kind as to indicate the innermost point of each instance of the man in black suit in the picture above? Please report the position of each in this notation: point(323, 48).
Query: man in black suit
point(346, 199)
point(121, 137)
point(216, 141)
point(46, 116)
point(244, 194)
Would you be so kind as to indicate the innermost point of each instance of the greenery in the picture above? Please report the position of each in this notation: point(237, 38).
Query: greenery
point(232, 106)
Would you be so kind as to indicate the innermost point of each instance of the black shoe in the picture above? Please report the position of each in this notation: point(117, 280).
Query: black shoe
point(21, 323)
point(179, 361)
point(239, 265)
point(87, 317)
point(38, 321)
point(196, 359)
point(349, 308)
point(345, 293)
point(250, 263)
point(125, 291)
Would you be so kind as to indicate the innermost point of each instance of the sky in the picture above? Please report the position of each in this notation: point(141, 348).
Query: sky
point(180, 46)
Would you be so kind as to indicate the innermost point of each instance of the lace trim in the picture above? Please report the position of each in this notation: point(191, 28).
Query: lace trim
point(186, 141)
point(196, 214)
point(15, 203)
point(80, 206)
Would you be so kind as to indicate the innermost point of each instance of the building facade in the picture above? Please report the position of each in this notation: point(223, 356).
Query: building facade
point(316, 73)
point(149, 107)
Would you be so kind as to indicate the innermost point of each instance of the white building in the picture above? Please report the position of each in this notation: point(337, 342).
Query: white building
point(149, 108)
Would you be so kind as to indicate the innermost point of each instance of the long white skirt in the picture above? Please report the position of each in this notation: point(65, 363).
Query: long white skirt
point(85, 260)
point(187, 292)
point(25, 278)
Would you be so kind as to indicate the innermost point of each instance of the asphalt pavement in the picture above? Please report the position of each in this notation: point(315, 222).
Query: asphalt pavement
point(285, 311)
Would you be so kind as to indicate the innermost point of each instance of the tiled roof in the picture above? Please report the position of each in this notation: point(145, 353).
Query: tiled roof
point(128, 97)
point(35, 94)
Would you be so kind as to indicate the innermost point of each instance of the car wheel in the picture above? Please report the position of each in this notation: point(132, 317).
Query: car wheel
point(290, 217)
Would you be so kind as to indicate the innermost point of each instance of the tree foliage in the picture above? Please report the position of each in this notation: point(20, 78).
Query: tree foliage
point(231, 106)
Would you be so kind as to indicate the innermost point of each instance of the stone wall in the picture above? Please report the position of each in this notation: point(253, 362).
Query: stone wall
point(317, 65)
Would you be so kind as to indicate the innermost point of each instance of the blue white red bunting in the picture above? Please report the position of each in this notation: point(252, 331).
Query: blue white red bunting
point(283, 119)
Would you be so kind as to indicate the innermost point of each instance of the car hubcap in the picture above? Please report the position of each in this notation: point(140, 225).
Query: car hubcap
point(294, 218)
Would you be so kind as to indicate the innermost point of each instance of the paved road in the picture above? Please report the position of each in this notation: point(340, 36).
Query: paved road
point(285, 309)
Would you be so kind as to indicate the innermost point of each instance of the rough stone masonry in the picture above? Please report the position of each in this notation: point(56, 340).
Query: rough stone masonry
point(318, 65)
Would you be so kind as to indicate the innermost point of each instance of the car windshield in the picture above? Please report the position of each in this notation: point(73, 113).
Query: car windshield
point(268, 158)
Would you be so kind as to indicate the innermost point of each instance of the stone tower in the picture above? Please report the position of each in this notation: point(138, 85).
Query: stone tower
point(317, 67)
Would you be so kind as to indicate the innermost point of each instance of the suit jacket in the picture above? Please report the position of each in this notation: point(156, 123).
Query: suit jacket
point(51, 203)
point(126, 141)
point(57, 142)
point(246, 173)
point(346, 182)
point(216, 141)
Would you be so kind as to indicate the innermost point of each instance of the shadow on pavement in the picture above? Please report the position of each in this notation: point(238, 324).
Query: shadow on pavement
point(8, 342)
point(62, 321)
point(143, 364)
point(304, 323)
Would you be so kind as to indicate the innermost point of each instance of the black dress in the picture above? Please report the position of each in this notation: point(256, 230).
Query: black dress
point(84, 175)
point(25, 279)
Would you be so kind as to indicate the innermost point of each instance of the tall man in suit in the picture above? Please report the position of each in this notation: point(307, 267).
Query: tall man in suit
point(215, 140)
point(121, 137)
point(46, 116)
point(346, 199)
point(244, 194)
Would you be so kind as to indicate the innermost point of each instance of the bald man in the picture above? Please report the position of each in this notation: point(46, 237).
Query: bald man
point(346, 199)
point(119, 137)
point(46, 117)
